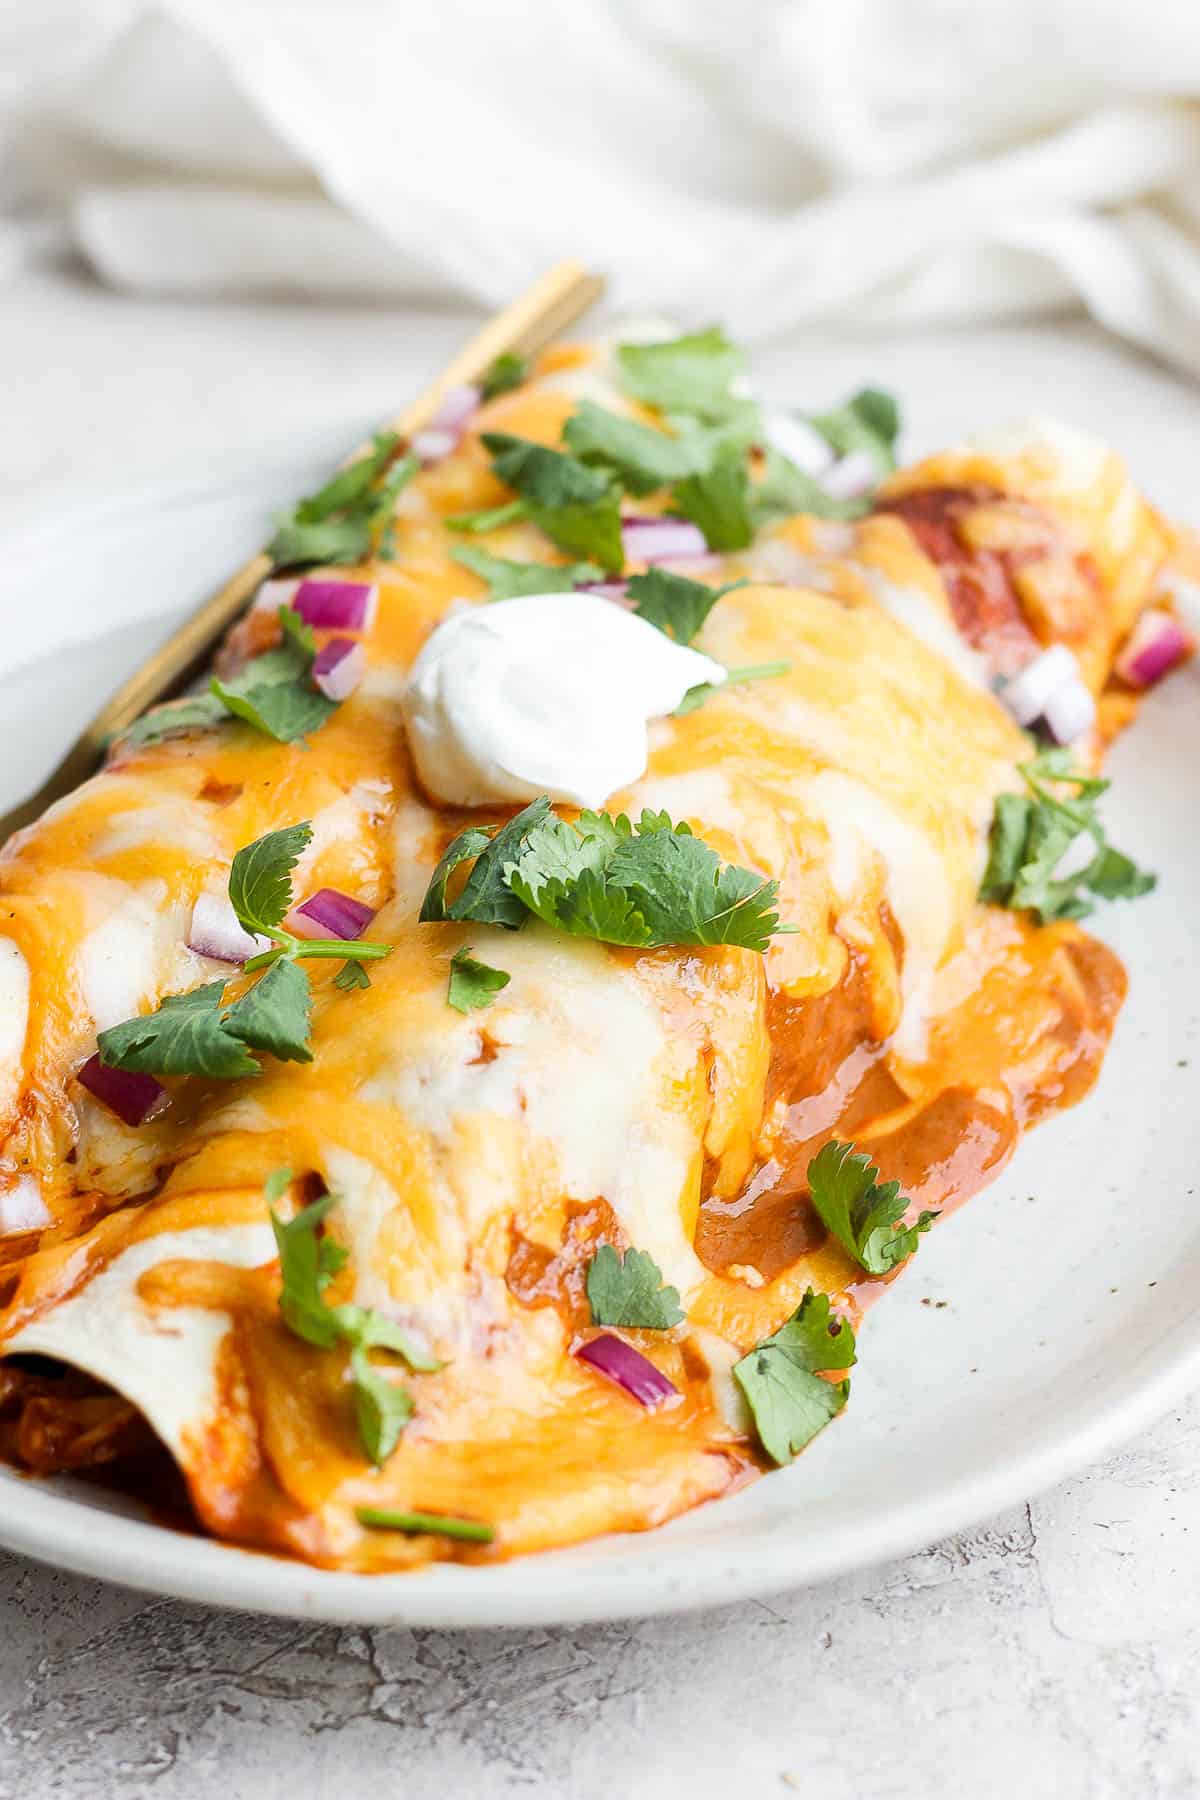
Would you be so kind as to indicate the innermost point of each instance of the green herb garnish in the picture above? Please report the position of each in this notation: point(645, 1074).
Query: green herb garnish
point(308, 1263)
point(423, 1524)
point(1032, 832)
point(274, 692)
point(347, 520)
point(869, 420)
point(785, 490)
point(508, 371)
point(675, 604)
point(473, 984)
point(692, 374)
point(508, 580)
point(718, 500)
point(781, 1377)
point(640, 457)
point(189, 1034)
point(602, 877)
point(577, 507)
point(199, 712)
point(487, 518)
point(864, 1216)
point(704, 690)
point(629, 1291)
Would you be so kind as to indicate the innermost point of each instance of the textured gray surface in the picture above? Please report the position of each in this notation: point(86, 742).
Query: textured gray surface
point(1054, 1654)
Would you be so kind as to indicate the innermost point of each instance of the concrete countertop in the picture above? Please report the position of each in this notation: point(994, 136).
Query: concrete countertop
point(1053, 1652)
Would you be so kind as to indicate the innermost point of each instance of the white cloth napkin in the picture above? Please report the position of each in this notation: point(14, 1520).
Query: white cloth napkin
point(773, 163)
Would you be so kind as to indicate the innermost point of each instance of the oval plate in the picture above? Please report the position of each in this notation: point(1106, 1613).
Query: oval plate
point(1048, 1320)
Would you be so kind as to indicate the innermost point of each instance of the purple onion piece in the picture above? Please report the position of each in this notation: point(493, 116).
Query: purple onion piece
point(851, 476)
point(132, 1096)
point(1069, 712)
point(1025, 695)
point(659, 540)
point(336, 605)
point(433, 446)
point(620, 1362)
point(1156, 643)
point(216, 932)
point(455, 408)
point(328, 913)
point(604, 590)
point(338, 668)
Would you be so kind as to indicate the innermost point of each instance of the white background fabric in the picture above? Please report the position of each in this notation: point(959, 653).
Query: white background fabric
point(774, 163)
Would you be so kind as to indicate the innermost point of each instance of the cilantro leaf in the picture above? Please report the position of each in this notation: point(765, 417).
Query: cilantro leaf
point(661, 885)
point(508, 371)
point(640, 457)
point(785, 490)
point(781, 1377)
point(676, 605)
point(473, 985)
point(307, 1264)
point(274, 692)
point(382, 1406)
point(869, 420)
point(862, 1215)
point(423, 1524)
point(630, 1291)
point(487, 518)
point(507, 580)
point(486, 897)
point(691, 374)
point(186, 1035)
point(260, 881)
point(704, 690)
point(274, 1015)
point(198, 712)
point(717, 499)
point(577, 507)
point(1032, 832)
point(351, 975)
point(339, 523)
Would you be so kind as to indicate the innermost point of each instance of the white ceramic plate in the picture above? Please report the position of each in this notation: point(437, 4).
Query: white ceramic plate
point(1071, 1285)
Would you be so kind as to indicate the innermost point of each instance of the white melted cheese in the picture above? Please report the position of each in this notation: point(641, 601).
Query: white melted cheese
point(1077, 459)
point(916, 884)
point(920, 614)
point(163, 1359)
point(14, 1021)
point(582, 1070)
point(134, 951)
point(547, 694)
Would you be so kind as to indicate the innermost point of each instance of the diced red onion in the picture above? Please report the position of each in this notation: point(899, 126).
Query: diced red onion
point(274, 594)
point(851, 476)
point(606, 590)
point(799, 441)
point(455, 408)
point(432, 446)
point(336, 605)
point(1070, 711)
point(660, 540)
point(132, 1096)
point(620, 1362)
point(22, 1208)
point(1026, 695)
point(1156, 643)
point(338, 668)
point(328, 913)
point(216, 932)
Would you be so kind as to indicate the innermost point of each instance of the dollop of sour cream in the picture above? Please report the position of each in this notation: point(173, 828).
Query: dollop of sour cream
point(545, 694)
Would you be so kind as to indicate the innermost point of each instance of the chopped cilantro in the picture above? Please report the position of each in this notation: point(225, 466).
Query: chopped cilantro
point(307, 1264)
point(198, 712)
point(869, 420)
point(473, 985)
point(577, 507)
point(640, 457)
point(342, 521)
point(785, 490)
point(351, 975)
point(704, 690)
point(487, 518)
point(864, 1216)
point(717, 499)
point(781, 1377)
point(188, 1034)
point(423, 1524)
point(692, 374)
point(508, 371)
point(676, 605)
point(507, 580)
point(601, 877)
point(1032, 832)
point(629, 1291)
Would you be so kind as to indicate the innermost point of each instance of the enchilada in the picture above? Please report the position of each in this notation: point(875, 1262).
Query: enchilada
point(557, 1254)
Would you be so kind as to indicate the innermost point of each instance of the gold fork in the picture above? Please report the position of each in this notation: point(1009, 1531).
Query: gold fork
point(554, 301)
